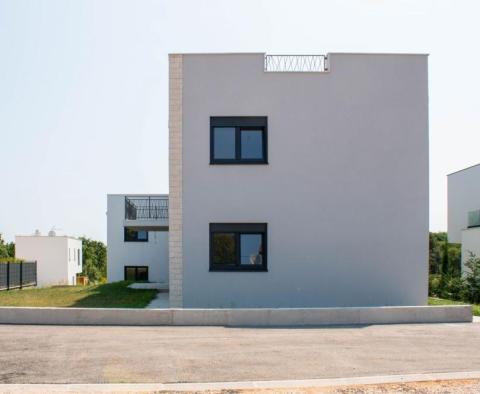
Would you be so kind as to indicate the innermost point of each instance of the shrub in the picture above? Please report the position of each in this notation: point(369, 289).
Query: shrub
point(10, 260)
point(434, 288)
point(472, 279)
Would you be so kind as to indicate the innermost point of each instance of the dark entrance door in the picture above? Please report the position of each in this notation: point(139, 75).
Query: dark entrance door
point(136, 273)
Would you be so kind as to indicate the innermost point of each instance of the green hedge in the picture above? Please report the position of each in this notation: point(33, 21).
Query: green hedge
point(10, 260)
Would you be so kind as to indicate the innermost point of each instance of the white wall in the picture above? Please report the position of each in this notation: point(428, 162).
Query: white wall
point(153, 253)
point(345, 193)
point(463, 197)
point(52, 255)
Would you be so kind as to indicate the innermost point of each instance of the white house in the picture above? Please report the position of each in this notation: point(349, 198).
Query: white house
point(464, 210)
point(298, 181)
point(59, 257)
point(295, 181)
point(137, 237)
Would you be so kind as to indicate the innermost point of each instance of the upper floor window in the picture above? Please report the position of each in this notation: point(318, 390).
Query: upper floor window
point(238, 140)
point(135, 235)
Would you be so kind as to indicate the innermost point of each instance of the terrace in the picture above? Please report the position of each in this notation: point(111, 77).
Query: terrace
point(148, 212)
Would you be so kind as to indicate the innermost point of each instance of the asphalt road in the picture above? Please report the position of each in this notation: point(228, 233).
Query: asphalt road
point(66, 354)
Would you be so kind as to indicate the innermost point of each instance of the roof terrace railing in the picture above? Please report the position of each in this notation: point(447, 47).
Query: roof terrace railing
point(296, 63)
point(146, 208)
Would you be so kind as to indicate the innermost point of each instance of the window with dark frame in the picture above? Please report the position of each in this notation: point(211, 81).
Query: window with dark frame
point(131, 235)
point(238, 247)
point(238, 140)
point(135, 273)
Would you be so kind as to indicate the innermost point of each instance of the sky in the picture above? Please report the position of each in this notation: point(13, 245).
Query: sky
point(84, 89)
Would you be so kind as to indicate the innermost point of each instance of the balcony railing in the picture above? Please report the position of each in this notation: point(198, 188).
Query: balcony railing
point(474, 218)
point(146, 208)
point(296, 63)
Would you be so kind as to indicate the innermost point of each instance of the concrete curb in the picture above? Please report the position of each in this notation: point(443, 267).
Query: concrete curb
point(246, 385)
point(267, 317)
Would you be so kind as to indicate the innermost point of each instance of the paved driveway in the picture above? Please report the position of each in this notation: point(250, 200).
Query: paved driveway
point(56, 354)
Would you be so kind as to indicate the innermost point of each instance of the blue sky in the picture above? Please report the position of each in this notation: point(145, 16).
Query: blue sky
point(83, 89)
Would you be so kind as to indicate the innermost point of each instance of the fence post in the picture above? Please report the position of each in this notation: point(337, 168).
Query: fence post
point(21, 274)
point(8, 275)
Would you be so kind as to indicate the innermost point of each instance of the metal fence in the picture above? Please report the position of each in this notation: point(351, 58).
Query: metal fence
point(296, 63)
point(15, 275)
point(145, 208)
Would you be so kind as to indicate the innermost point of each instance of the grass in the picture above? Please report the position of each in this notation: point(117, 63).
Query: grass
point(109, 295)
point(442, 301)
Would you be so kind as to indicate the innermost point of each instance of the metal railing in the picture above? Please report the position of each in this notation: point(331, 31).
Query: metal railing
point(296, 63)
point(146, 208)
point(15, 275)
point(474, 218)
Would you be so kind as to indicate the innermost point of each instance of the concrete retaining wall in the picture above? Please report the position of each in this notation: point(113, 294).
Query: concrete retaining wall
point(236, 317)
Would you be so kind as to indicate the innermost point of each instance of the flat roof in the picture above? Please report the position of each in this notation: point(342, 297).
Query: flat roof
point(303, 54)
point(137, 194)
point(464, 169)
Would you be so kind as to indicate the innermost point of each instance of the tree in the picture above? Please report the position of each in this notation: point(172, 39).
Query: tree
point(94, 260)
point(6, 249)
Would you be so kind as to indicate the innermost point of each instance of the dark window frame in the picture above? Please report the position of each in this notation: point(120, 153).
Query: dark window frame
point(125, 267)
point(239, 123)
point(125, 239)
point(238, 229)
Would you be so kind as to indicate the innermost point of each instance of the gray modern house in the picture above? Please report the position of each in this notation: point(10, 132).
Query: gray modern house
point(298, 181)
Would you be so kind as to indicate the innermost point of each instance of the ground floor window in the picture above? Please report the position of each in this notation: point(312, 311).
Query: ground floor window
point(136, 273)
point(130, 235)
point(238, 247)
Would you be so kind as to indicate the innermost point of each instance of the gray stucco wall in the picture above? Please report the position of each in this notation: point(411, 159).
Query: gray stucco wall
point(345, 193)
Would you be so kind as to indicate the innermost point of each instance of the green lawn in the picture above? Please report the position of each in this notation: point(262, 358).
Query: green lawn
point(109, 295)
point(442, 301)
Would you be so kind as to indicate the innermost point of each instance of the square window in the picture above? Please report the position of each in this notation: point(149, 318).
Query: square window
point(238, 140)
point(238, 247)
point(131, 235)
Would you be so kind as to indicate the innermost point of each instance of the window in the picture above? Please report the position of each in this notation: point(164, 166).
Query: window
point(135, 235)
point(136, 273)
point(238, 247)
point(78, 257)
point(238, 140)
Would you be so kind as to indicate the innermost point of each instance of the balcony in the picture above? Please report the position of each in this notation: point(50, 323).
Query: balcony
point(146, 212)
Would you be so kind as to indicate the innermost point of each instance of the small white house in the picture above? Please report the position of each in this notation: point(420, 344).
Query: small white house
point(58, 257)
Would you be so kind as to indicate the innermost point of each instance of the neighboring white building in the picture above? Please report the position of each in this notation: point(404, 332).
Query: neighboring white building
point(58, 257)
point(464, 210)
point(137, 237)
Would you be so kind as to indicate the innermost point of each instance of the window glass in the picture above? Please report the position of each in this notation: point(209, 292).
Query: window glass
point(142, 235)
point(251, 249)
point(142, 273)
point(224, 251)
point(130, 273)
point(251, 144)
point(224, 142)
